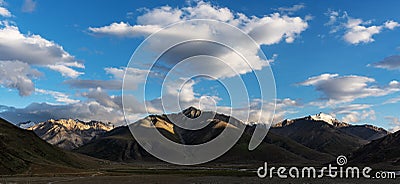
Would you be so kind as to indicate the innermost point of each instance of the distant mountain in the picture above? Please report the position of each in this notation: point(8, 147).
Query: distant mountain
point(26, 125)
point(23, 152)
point(366, 132)
point(318, 117)
point(326, 134)
point(383, 152)
point(320, 136)
point(119, 144)
point(68, 133)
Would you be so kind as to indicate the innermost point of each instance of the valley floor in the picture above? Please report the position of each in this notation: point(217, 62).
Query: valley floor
point(179, 179)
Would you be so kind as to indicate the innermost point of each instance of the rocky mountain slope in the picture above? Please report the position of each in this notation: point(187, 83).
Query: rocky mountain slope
point(383, 152)
point(23, 152)
point(326, 134)
point(366, 132)
point(119, 144)
point(68, 133)
point(313, 139)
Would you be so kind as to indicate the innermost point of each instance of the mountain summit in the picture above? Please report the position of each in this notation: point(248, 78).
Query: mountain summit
point(324, 117)
point(192, 112)
point(68, 133)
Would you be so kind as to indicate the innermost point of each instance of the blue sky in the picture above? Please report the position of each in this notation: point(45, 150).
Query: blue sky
point(342, 57)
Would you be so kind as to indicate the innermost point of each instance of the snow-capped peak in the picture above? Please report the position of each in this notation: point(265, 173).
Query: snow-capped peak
point(324, 117)
point(26, 125)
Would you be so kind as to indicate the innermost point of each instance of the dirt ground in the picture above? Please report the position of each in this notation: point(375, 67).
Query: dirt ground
point(181, 179)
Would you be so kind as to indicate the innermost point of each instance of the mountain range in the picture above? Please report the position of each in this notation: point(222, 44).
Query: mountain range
point(316, 139)
point(119, 144)
point(312, 139)
point(68, 133)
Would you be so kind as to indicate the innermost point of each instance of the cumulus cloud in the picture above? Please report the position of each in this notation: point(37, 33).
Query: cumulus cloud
point(356, 31)
point(391, 24)
point(18, 75)
point(340, 89)
point(20, 52)
point(221, 64)
point(35, 50)
point(389, 63)
point(394, 122)
point(358, 116)
point(103, 98)
point(162, 16)
point(267, 30)
point(353, 113)
point(99, 105)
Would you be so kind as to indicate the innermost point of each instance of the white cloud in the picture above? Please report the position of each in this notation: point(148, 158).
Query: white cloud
point(266, 30)
point(394, 122)
point(340, 89)
point(123, 29)
point(4, 12)
point(356, 31)
point(18, 75)
point(59, 96)
point(389, 63)
point(133, 76)
point(317, 79)
point(29, 6)
point(354, 113)
point(65, 71)
point(270, 29)
point(162, 16)
point(35, 50)
point(103, 98)
point(358, 116)
point(391, 24)
point(333, 15)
